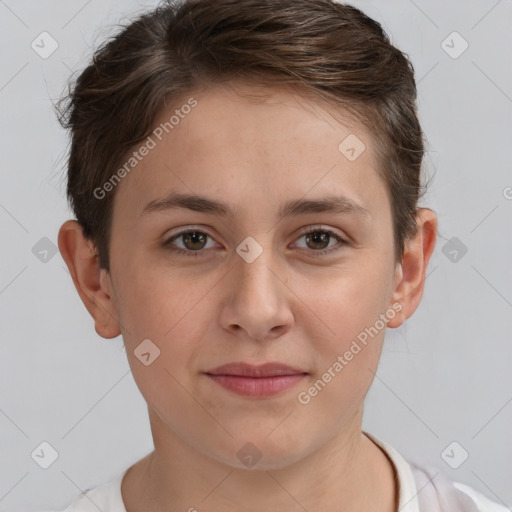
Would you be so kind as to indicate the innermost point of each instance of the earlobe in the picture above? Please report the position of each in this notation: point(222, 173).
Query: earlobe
point(82, 262)
point(410, 274)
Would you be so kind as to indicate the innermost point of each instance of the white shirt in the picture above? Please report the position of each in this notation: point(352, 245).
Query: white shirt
point(418, 491)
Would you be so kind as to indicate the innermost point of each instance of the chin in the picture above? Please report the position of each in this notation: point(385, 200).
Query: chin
point(263, 452)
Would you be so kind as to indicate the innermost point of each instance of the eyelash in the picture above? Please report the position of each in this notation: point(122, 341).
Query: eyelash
point(168, 243)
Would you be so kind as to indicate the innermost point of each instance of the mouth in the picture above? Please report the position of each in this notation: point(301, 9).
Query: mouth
point(264, 380)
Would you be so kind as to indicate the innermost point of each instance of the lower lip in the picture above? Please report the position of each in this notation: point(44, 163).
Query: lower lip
point(257, 386)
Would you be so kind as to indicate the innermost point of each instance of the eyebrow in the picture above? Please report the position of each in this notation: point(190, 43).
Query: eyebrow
point(330, 204)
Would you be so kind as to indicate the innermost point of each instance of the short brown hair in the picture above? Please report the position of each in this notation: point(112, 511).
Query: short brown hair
point(330, 50)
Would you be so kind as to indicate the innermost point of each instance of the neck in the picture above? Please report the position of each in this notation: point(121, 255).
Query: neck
point(348, 473)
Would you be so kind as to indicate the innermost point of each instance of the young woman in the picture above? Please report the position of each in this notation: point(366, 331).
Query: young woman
point(245, 176)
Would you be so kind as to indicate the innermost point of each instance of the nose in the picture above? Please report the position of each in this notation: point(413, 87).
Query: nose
point(257, 305)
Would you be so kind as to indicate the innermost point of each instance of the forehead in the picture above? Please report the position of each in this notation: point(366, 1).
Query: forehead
point(261, 117)
point(243, 142)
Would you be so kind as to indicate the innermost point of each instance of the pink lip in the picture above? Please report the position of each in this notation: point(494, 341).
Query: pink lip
point(263, 380)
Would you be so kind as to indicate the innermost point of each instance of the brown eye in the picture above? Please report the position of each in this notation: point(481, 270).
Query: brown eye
point(318, 239)
point(193, 242)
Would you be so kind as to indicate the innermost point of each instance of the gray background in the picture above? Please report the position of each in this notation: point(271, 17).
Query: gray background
point(444, 376)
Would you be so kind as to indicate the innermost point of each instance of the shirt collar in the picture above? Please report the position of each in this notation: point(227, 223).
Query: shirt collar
point(407, 492)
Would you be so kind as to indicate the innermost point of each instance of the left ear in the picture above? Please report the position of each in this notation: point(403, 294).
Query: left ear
point(410, 273)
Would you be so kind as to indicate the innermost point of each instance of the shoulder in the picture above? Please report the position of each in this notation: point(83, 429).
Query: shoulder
point(483, 503)
point(105, 497)
point(434, 485)
point(427, 488)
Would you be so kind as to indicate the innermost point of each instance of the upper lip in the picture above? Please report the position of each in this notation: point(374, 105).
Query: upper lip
point(250, 370)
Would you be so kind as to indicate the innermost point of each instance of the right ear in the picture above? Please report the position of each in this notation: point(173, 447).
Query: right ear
point(92, 283)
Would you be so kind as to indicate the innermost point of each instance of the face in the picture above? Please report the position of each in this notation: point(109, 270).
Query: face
point(310, 287)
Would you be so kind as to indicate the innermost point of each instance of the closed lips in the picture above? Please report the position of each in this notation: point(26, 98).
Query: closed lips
point(256, 371)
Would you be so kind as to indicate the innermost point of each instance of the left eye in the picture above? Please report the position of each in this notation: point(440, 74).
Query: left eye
point(320, 238)
point(194, 241)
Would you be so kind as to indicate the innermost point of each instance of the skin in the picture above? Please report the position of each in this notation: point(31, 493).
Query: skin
point(288, 305)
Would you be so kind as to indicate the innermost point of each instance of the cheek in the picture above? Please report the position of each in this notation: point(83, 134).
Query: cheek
point(156, 301)
point(171, 313)
point(349, 349)
point(348, 328)
point(348, 300)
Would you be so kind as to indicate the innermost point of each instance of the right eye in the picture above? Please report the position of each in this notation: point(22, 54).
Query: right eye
point(193, 240)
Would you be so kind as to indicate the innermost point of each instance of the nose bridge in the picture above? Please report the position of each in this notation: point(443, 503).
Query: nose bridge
point(253, 270)
point(258, 297)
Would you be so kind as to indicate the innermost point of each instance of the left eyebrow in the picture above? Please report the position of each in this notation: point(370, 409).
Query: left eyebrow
point(330, 204)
